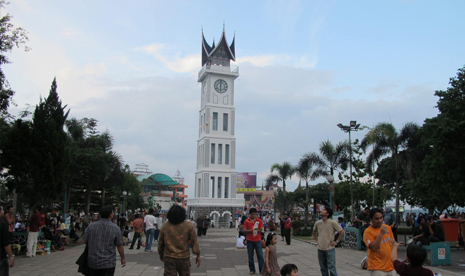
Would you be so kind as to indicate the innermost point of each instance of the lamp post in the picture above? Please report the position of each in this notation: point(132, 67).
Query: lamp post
point(330, 179)
point(124, 199)
point(353, 126)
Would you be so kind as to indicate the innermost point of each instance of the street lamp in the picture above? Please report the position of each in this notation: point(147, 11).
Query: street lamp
point(330, 179)
point(352, 127)
point(124, 199)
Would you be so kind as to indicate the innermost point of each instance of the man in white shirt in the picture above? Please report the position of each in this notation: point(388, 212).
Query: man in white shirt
point(150, 227)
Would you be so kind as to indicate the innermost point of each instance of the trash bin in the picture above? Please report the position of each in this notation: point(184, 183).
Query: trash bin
point(438, 253)
point(451, 229)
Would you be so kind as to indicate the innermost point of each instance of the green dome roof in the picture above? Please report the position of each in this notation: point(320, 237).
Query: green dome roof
point(156, 179)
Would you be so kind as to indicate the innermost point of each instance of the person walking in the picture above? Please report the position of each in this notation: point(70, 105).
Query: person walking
point(253, 226)
point(271, 267)
point(101, 238)
point(176, 236)
point(323, 232)
point(207, 223)
point(378, 237)
point(138, 225)
point(200, 224)
point(149, 222)
point(158, 223)
point(33, 232)
point(6, 255)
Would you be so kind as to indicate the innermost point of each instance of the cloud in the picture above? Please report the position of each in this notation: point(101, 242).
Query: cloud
point(176, 64)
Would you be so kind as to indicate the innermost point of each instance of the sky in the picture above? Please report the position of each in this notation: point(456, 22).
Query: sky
point(304, 66)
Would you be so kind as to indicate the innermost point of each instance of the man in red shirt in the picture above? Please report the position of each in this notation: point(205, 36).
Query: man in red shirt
point(33, 233)
point(287, 228)
point(138, 225)
point(252, 228)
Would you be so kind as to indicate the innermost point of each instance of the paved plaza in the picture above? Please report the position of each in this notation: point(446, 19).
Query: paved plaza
point(219, 258)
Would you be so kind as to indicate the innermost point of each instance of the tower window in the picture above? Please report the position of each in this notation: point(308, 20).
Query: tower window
point(220, 154)
point(215, 121)
point(226, 187)
point(226, 154)
point(213, 154)
point(219, 186)
point(225, 121)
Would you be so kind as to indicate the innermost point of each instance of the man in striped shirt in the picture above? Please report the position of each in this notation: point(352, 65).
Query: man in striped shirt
point(101, 238)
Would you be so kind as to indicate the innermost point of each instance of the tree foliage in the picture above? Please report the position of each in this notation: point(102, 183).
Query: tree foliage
point(10, 37)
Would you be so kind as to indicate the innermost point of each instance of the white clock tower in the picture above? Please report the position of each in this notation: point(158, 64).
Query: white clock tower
point(215, 178)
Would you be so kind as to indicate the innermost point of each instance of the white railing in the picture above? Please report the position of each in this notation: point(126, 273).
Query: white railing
point(217, 68)
point(216, 202)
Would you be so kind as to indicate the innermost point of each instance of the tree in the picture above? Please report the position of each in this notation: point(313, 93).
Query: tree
point(283, 171)
point(442, 171)
point(386, 139)
point(38, 160)
point(331, 158)
point(306, 172)
point(10, 37)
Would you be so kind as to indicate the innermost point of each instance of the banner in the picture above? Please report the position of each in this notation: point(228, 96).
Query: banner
point(246, 182)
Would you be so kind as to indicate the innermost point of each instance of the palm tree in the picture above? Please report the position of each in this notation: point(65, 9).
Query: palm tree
point(386, 139)
point(330, 159)
point(305, 171)
point(284, 171)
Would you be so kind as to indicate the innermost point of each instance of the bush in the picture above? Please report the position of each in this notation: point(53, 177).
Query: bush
point(303, 232)
point(297, 224)
point(404, 231)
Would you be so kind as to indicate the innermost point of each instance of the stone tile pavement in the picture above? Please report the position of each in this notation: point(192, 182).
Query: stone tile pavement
point(219, 258)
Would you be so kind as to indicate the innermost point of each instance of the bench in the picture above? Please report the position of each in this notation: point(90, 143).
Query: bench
point(438, 253)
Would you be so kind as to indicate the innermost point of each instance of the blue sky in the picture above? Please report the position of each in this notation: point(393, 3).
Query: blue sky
point(305, 66)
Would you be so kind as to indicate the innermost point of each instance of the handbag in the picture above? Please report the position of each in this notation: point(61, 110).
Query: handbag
point(82, 262)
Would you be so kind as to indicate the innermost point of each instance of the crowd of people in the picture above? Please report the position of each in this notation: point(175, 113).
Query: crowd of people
point(105, 236)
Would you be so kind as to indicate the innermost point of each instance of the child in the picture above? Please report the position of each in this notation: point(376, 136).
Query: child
point(289, 270)
point(271, 267)
point(240, 242)
point(416, 255)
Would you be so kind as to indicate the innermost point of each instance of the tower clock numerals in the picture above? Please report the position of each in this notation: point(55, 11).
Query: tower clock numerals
point(221, 86)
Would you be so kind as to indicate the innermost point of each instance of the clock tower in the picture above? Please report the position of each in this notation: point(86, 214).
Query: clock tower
point(215, 177)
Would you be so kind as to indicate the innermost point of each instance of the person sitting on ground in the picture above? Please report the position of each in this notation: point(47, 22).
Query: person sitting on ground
point(416, 255)
point(289, 270)
point(435, 231)
point(240, 240)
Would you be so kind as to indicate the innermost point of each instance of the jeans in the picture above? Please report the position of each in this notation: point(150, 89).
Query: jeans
point(327, 260)
point(257, 246)
point(4, 266)
point(136, 237)
point(157, 232)
point(149, 238)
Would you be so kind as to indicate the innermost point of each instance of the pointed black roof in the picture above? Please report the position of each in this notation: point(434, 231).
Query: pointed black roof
point(208, 51)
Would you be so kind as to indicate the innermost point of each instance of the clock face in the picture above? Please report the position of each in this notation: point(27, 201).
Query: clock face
point(221, 86)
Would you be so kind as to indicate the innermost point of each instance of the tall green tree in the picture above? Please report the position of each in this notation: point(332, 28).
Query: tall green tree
point(385, 140)
point(43, 159)
point(283, 171)
point(443, 168)
point(331, 159)
point(307, 172)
